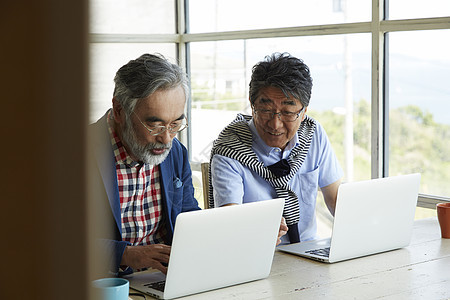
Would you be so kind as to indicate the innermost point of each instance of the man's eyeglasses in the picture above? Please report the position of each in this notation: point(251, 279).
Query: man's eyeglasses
point(284, 116)
point(173, 128)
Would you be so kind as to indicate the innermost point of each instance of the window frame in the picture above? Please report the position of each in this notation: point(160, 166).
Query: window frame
point(378, 27)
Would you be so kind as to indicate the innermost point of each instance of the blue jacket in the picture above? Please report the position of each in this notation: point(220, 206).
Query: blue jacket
point(177, 191)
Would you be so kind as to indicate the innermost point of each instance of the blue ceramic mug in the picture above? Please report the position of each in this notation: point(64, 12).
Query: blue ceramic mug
point(111, 289)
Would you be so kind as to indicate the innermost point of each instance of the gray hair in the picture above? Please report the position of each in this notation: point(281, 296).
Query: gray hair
point(281, 70)
point(145, 75)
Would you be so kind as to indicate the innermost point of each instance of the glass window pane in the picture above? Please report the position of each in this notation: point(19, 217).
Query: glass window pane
point(411, 9)
point(419, 97)
point(219, 91)
point(106, 59)
point(132, 16)
point(225, 15)
point(340, 67)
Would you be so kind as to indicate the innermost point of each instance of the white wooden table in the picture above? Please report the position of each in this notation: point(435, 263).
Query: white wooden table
point(419, 271)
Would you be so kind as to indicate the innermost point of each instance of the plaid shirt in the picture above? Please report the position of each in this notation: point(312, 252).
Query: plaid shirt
point(140, 197)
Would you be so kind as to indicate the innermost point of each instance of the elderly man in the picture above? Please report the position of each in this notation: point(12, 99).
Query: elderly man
point(144, 168)
point(278, 151)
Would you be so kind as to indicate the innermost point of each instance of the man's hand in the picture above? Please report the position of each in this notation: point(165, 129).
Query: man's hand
point(283, 230)
point(148, 256)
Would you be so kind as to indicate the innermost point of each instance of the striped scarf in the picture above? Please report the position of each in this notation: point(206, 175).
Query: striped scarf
point(235, 142)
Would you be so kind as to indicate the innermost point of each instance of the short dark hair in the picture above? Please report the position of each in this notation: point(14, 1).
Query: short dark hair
point(281, 70)
point(141, 77)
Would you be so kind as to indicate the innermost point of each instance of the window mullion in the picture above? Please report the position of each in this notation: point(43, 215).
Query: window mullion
point(185, 136)
point(377, 125)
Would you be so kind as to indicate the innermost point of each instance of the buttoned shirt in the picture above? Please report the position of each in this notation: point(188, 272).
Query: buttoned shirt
point(234, 183)
point(140, 197)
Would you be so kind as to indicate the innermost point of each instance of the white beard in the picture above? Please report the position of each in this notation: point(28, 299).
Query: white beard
point(143, 152)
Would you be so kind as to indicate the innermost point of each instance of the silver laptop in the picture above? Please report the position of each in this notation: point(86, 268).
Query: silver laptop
point(215, 248)
point(371, 216)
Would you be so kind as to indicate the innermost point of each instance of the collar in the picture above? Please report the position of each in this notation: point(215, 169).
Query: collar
point(121, 155)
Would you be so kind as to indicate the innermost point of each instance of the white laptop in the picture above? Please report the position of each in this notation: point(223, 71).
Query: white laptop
point(215, 248)
point(371, 216)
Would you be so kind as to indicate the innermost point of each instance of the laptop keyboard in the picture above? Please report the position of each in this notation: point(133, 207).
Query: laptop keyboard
point(159, 285)
point(325, 252)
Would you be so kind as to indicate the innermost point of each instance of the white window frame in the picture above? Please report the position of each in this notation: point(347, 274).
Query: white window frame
point(378, 28)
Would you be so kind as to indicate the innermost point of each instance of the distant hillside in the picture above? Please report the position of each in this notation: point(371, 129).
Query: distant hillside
point(416, 144)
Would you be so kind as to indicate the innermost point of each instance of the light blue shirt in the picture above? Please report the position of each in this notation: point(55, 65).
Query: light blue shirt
point(235, 183)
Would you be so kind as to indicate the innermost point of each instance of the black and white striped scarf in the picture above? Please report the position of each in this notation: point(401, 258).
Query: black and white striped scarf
point(235, 141)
